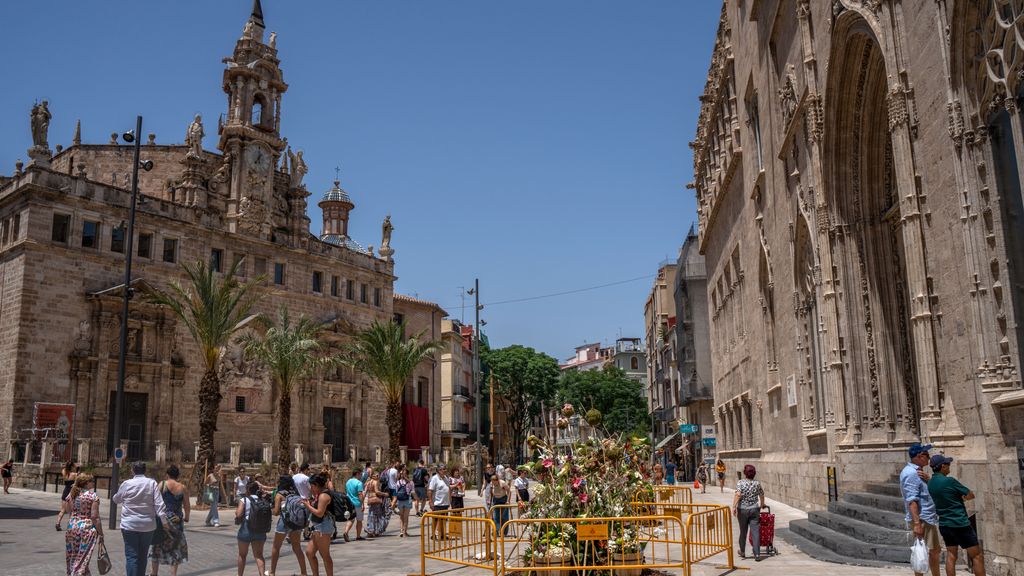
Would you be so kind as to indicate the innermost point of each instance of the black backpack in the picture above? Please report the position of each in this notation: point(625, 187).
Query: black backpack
point(261, 515)
point(419, 477)
point(341, 507)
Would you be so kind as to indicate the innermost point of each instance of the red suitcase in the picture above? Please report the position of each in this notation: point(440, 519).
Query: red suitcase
point(767, 533)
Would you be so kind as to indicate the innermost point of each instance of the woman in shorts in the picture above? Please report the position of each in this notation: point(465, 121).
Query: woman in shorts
point(322, 524)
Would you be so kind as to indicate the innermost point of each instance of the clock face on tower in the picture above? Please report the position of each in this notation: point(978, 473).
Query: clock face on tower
point(257, 158)
point(257, 168)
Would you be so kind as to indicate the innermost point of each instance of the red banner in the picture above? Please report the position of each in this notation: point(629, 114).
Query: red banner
point(55, 422)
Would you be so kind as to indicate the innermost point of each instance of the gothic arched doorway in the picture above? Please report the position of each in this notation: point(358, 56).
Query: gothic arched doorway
point(880, 386)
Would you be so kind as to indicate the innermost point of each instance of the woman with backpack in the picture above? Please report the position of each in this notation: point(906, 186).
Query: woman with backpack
point(250, 533)
point(322, 524)
point(402, 500)
point(292, 515)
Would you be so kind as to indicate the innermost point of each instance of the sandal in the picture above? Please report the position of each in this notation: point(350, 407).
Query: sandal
point(57, 526)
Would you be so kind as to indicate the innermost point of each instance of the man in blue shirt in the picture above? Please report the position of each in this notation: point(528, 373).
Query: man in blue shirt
point(921, 517)
point(354, 490)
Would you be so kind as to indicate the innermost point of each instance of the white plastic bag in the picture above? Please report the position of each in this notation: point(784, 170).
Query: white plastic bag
point(919, 557)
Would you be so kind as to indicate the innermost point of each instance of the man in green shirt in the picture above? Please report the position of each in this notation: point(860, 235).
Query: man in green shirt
point(954, 525)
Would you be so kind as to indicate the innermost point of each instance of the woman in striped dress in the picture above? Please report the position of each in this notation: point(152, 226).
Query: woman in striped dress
point(85, 528)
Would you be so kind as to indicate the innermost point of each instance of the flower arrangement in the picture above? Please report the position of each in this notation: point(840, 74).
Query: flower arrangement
point(597, 477)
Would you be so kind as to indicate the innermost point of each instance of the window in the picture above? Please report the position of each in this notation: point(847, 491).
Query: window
point(334, 286)
point(318, 279)
point(170, 250)
point(350, 287)
point(376, 297)
point(362, 293)
point(238, 262)
point(6, 227)
point(257, 113)
point(239, 403)
point(216, 259)
point(260, 266)
point(117, 239)
point(279, 273)
point(754, 119)
point(399, 318)
point(16, 228)
point(634, 363)
point(145, 246)
point(90, 234)
point(61, 226)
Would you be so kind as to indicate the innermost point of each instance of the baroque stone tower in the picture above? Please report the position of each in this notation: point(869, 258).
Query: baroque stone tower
point(250, 135)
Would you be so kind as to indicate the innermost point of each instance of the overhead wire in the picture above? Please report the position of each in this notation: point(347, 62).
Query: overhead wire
point(565, 292)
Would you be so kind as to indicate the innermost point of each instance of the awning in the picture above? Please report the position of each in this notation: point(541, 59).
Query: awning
point(666, 440)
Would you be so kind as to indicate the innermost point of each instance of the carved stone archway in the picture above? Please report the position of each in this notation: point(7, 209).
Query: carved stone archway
point(869, 246)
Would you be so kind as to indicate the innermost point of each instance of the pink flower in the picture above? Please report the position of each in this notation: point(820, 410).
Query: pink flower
point(548, 462)
point(583, 497)
point(577, 482)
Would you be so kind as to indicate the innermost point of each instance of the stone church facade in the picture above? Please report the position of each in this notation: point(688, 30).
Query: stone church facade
point(858, 175)
point(61, 281)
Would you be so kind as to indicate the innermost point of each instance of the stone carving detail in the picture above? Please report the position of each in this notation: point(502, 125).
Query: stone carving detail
point(194, 138)
point(897, 102)
point(815, 117)
point(298, 169)
point(787, 96)
point(252, 214)
point(83, 338)
point(956, 122)
point(223, 173)
point(40, 118)
point(385, 244)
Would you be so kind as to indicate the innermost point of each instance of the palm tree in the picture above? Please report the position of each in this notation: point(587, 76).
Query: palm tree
point(291, 352)
point(383, 353)
point(213, 307)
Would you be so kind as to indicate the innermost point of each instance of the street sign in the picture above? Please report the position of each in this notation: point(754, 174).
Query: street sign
point(708, 431)
point(688, 428)
point(710, 442)
point(118, 454)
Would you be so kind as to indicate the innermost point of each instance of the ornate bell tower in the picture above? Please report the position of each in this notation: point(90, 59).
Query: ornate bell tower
point(250, 135)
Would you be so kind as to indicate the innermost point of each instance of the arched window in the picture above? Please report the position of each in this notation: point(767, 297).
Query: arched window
point(634, 364)
point(257, 112)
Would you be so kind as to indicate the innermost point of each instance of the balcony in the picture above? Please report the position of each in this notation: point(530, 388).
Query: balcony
point(459, 429)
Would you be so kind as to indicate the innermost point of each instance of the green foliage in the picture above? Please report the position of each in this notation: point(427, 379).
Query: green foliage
point(212, 306)
point(291, 351)
point(383, 353)
point(526, 381)
point(618, 398)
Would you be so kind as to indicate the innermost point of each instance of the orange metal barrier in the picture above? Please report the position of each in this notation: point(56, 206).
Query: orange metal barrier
point(709, 532)
point(583, 546)
point(463, 536)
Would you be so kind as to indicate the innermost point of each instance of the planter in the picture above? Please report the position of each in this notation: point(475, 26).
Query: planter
point(629, 558)
point(550, 561)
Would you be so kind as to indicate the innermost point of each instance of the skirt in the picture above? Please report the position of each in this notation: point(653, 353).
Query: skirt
point(173, 549)
point(80, 542)
point(380, 515)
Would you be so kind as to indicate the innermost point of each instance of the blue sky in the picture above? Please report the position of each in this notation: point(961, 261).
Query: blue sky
point(540, 145)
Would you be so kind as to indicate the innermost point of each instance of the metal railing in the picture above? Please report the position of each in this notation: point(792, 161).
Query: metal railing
point(463, 536)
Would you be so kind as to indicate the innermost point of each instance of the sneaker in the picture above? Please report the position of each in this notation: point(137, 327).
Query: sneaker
point(346, 536)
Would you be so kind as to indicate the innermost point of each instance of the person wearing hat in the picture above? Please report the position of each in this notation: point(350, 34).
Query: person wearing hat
point(954, 525)
point(921, 516)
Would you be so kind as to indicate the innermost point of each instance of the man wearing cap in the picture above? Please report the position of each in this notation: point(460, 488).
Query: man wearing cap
point(954, 525)
point(921, 515)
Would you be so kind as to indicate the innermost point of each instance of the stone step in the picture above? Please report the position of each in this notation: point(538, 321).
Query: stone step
point(892, 520)
point(819, 552)
point(884, 489)
point(864, 531)
point(848, 546)
point(880, 501)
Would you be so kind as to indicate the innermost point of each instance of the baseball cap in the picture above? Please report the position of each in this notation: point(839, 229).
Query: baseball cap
point(916, 449)
point(938, 460)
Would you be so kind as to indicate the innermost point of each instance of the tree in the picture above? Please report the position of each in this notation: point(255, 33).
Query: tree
point(524, 380)
point(618, 398)
point(383, 353)
point(291, 352)
point(213, 307)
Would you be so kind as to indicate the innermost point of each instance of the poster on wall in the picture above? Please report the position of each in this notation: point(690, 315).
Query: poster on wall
point(791, 390)
point(55, 421)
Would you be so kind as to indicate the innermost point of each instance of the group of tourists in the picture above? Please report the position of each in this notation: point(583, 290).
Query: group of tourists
point(936, 512)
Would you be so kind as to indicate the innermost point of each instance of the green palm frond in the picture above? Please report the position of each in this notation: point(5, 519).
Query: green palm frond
point(212, 306)
point(384, 353)
point(291, 351)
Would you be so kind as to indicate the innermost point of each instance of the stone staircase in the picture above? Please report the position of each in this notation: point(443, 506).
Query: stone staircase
point(864, 528)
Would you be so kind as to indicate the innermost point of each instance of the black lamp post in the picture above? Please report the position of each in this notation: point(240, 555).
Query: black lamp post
point(127, 293)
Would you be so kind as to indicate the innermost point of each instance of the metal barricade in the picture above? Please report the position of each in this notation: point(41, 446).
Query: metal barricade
point(463, 536)
point(705, 528)
point(586, 546)
point(665, 493)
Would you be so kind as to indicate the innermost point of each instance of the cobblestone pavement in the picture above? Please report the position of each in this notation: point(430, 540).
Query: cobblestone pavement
point(29, 546)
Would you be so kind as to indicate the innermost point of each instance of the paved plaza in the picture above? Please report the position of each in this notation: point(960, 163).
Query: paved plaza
point(29, 546)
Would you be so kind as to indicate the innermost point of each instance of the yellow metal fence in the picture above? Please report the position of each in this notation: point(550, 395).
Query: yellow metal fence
point(464, 536)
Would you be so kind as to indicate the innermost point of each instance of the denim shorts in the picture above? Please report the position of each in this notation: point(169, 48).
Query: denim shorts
point(282, 529)
point(403, 505)
point(325, 526)
point(245, 535)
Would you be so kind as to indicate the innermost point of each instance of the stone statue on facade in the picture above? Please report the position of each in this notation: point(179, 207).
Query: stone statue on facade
point(194, 138)
point(273, 40)
point(223, 173)
point(385, 244)
point(787, 96)
point(298, 168)
point(41, 125)
point(83, 339)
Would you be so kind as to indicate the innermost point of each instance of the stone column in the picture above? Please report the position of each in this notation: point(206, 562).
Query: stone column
point(161, 453)
point(300, 453)
point(378, 454)
point(403, 453)
point(46, 455)
point(83, 450)
point(28, 453)
point(327, 453)
point(446, 455)
point(196, 452)
point(353, 454)
point(424, 453)
point(236, 454)
point(268, 453)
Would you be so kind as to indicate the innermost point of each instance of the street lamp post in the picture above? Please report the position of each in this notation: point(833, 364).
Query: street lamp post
point(476, 384)
point(115, 473)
